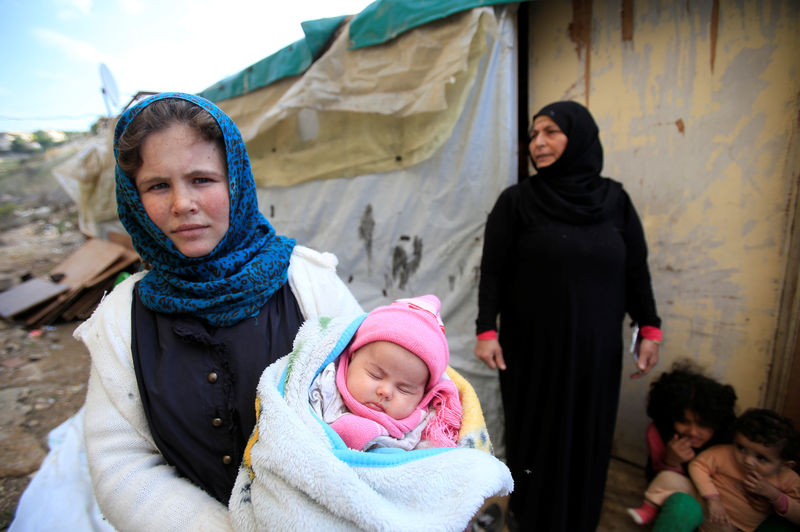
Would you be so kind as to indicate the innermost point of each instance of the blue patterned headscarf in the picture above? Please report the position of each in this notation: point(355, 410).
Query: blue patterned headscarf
point(247, 266)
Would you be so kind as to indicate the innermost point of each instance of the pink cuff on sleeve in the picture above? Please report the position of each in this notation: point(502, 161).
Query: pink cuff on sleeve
point(488, 335)
point(649, 332)
point(781, 504)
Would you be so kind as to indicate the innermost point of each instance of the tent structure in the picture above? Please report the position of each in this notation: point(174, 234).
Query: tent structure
point(391, 156)
point(384, 138)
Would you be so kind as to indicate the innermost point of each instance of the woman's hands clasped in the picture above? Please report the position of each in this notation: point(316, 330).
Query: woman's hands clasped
point(490, 352)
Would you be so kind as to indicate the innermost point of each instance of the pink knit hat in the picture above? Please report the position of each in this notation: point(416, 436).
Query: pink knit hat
point(414, 324)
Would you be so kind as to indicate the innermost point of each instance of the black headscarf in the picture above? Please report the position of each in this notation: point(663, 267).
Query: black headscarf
point(571, 188)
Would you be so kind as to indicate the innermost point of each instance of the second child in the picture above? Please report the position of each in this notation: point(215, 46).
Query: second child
point(748, 481)
point(690, 412)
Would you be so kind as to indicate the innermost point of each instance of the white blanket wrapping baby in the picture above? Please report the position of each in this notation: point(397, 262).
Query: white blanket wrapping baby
point(297, 473)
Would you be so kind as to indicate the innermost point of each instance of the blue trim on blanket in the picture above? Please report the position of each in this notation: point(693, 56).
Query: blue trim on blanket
point(344, 339)
point(385, 457)
point(378, 457)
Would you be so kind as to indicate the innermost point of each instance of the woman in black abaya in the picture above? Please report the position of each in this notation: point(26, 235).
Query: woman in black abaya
point(564, 259)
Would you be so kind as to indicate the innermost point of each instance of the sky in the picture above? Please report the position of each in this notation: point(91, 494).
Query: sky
point(52, 50)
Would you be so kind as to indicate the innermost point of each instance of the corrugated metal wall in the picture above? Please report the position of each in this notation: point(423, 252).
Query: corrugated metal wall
point(698, 106)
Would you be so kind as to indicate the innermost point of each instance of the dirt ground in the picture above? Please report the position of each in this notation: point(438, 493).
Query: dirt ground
point(43, 372)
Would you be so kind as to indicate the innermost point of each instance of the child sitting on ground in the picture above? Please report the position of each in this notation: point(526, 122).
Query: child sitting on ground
point(690, 412)
point(389, 388)
point(746, 482)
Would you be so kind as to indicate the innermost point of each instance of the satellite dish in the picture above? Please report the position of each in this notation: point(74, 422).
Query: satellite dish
point(109, 89)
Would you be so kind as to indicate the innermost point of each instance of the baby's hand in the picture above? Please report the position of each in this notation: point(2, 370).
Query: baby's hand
point(716, 512)
point(679, 451)
point(757, 485)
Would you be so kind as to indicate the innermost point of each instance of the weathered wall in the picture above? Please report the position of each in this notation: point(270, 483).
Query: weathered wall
point(697, 104)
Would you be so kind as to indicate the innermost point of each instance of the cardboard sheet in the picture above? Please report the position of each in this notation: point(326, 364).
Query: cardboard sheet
point(27, 295)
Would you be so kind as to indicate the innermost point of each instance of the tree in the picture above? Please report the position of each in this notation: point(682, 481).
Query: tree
point(18, 144)
point(43, 138)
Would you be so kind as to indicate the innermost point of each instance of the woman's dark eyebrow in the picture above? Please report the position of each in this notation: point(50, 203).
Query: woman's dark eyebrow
point(203, 173)
point(149, 179)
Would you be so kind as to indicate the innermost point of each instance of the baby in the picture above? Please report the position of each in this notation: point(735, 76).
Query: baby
point(389, 388)
point(745, 483)
point(356, 383)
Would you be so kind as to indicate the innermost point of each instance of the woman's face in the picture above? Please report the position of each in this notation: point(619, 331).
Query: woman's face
point(388, 378)
point(547, 141)
point(692, 427)
point(183, 184)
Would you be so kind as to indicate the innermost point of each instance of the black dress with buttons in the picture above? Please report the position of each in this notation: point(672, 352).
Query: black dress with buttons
point(198, 384)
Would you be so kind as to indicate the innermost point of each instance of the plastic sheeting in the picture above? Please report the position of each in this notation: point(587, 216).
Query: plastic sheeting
point(365, 111)
point(419, 229)
point(290, 61)
point(60, 495)
point(374, 110)
point(378, 23)
point(384, 20)
point(88, 179)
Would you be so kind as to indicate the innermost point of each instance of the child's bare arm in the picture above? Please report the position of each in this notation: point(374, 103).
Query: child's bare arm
point(700, 473)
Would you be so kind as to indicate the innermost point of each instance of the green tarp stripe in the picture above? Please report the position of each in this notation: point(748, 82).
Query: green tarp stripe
point(383, 20)
point(290, 61)
point(379, 22)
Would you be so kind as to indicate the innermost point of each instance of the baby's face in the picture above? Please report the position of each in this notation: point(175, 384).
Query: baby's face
point(753, 457)
point(387, 378)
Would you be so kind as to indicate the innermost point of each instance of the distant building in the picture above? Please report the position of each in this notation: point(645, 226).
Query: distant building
point(5, 142)
point(18, 141)
point(56, 136)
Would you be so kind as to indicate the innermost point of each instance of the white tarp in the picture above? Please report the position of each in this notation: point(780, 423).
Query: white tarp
point(88, 178)
point(369, 110)
point(420, 229)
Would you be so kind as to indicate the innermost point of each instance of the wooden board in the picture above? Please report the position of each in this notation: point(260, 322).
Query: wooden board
point(126, 260)
point(87, 262)
point(93, 262)
point(27, 295)
point(123, 239)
